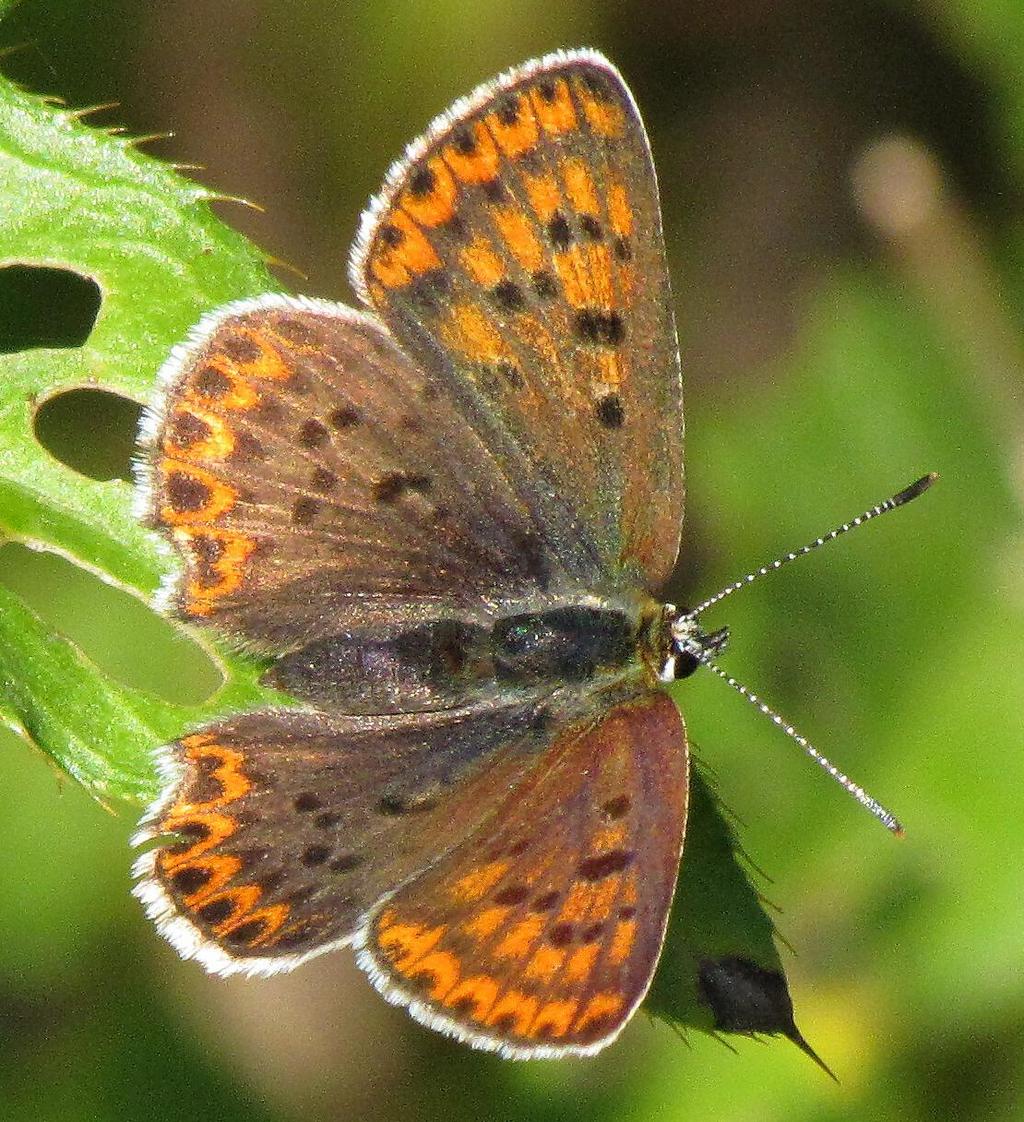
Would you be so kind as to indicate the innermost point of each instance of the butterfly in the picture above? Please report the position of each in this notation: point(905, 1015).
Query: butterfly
point(447, 518)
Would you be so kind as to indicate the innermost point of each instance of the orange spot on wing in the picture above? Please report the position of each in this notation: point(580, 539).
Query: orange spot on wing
point(221, 867)
point(470, 332)
point(606, 118)
point(629, 892)
point(590, 900)
point(442, 966)
point(622, 941)
point(610, 837)
point(544, 194)
point(554, 1018)
point(405, 943)
point(586, 275)
point(604, 1004)
point(581, 963)
point(579, 186)
point(608, 368)
point(269, 364)
point(556, 114)
point(481, 989)
point(471, 887)
point(239, 394)
point(521, 938)
point(220, 498)
point(438, 205)
point(242, 899)
point(482, 263)
point(218, 559)
point(217, 827)
point(480, 165)
point(515, 1004)
point(485, 923)
point(414, 252)
point(217, 444)
point(228, 772)
point(620, 213)
point(518, 137)
point(271, 918)
point(390, 272)
point(545, 963)
point(518, 233)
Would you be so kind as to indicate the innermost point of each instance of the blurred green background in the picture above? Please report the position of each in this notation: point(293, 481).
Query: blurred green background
point(842, 189)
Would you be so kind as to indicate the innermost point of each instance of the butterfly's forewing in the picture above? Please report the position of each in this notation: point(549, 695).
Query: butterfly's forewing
point(282, 829)
point(518, 249)
point(540, 933)
point(313, 478)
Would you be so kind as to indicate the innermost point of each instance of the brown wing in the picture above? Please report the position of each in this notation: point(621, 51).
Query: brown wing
point(291, 826)
point(539, 935)
point(518, 249)
point(313, 478)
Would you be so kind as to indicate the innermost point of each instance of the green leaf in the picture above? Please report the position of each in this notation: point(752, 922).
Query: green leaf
point(78, 199)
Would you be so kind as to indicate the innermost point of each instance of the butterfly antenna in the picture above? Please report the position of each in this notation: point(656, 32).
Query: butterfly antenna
point(888, 820)
point(901, 498)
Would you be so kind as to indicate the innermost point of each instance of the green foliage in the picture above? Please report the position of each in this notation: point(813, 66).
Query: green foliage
point(77, 198)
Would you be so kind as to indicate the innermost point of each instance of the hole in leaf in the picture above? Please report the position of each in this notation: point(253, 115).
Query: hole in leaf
point(92, 431)
point(42, 307)
point(116, 630)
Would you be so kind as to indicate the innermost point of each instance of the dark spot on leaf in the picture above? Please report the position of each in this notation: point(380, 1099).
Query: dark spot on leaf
point(44, 307)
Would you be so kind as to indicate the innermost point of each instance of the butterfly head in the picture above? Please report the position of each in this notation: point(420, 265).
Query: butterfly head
point(689, 645)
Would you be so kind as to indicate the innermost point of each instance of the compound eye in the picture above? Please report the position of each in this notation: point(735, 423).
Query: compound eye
point(685, 664)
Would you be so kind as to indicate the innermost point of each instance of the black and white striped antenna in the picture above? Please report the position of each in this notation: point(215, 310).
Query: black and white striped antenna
point(695, 647)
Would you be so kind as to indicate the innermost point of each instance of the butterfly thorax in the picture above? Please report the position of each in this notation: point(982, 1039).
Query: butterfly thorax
point(449, 661)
